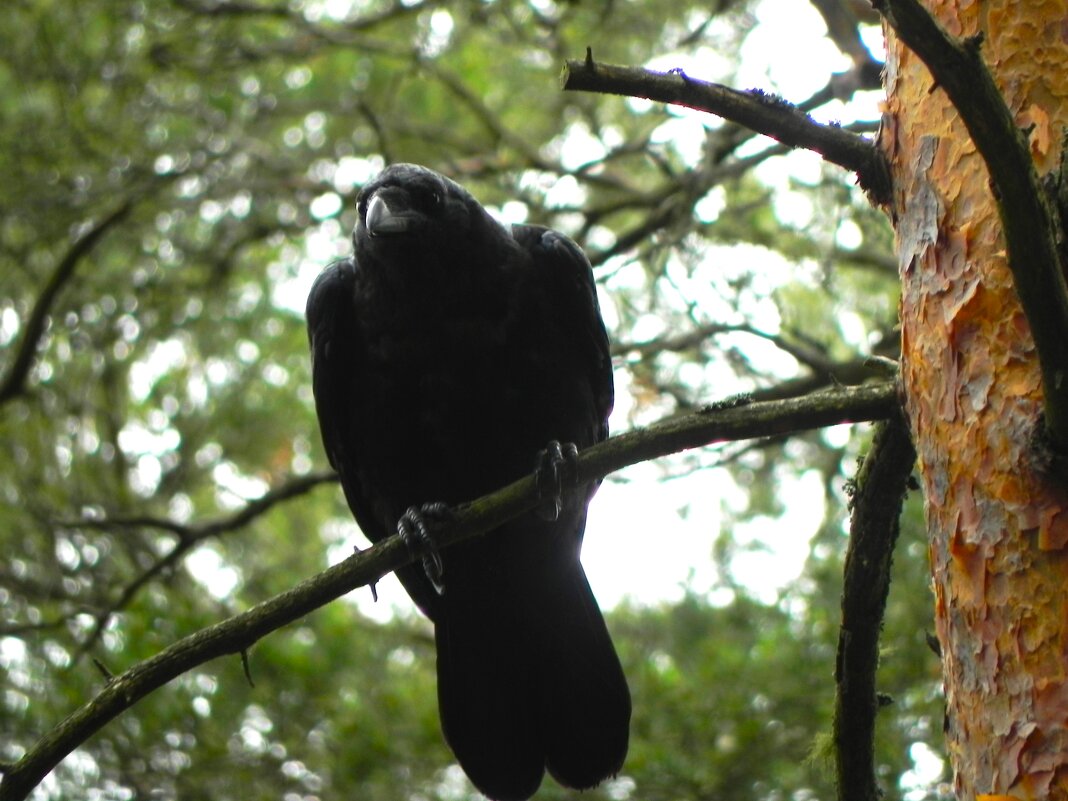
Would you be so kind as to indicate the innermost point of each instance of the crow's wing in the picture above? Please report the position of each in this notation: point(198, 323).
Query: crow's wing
point(338, 360)
point(566, 274)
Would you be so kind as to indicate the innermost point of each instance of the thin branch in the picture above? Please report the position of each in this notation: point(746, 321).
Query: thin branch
point(242, 517)
point(239, 633)
point(482, 112)
point(287, 12)
point(876, 259)
point(843, 28)
point(842, 373)
point(188, 536)
point(806, 355)
point(1027, 219)
point(21, 629)
point(755, 110)
point(824, 372)
point(14, 381)
point(879, 490)
point(231, 8)
point(677, 342)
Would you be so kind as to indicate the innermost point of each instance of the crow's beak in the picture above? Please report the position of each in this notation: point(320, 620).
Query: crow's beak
point(381, 220)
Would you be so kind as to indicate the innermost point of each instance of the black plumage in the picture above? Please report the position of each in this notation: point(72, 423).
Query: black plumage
point(446, 354)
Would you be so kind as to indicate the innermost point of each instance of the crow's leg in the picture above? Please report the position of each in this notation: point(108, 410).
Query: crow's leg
point(555, 473)
point(413, 527)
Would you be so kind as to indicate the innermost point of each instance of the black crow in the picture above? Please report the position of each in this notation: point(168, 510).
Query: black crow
point(446, 354)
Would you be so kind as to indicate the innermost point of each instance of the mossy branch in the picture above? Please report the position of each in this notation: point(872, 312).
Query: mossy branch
point(879, 490)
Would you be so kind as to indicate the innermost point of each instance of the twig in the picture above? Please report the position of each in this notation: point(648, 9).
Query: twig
point(239, 633)
point(188, 536)
point(843, 28)
point(14, 381)
point(805, 355)
point(1027, 219)
point(879, 490)
point(755, 110)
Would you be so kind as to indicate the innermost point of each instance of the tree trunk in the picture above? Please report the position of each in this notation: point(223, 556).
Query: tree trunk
point(997, 525)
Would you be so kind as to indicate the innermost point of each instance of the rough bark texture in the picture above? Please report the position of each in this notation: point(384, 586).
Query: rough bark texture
point(998, 526)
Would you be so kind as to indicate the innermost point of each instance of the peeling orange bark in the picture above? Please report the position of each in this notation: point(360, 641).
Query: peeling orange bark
point(998, 528)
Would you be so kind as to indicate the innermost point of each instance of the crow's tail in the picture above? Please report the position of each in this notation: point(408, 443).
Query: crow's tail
point(528, 678)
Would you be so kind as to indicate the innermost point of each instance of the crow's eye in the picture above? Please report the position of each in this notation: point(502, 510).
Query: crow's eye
point(436, 199)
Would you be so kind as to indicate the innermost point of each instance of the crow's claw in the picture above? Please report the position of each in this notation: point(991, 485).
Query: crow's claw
point(413, 527)
point(555, 472)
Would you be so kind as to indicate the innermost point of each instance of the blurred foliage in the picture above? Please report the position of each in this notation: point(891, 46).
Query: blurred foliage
point(175, 174)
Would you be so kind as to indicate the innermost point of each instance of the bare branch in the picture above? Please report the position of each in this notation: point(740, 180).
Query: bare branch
point(806, 355)
point(14, 381)
point(711, 424)
point(874, 259)
point(482, 112)
point(756, 110)
point(842, 28)
point(188, 536)
point(284, 11)
point(1030, 227)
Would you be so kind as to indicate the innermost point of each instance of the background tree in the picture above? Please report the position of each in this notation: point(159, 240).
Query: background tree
point(175, 175)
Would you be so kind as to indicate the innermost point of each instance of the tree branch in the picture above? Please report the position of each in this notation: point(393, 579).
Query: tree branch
point(188, 536)
point(1030, 227)
point(879, 489)
point(806, 355)
point(708, 425)
point(755, 110)
point(14, 381)
point(843, 29)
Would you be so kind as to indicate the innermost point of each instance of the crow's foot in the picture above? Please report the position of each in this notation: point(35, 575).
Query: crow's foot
point(413, 527)
point(554, 473)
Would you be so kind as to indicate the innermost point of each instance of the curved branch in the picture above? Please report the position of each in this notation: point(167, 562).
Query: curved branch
point(1027, 219)
point(879, 490)
point(14, 381)
point(843, 28)
point(755, 110)
point(805, 355)
point(188, 536)
point(736, 420)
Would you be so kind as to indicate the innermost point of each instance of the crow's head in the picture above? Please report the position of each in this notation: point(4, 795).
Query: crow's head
point(408, 208)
